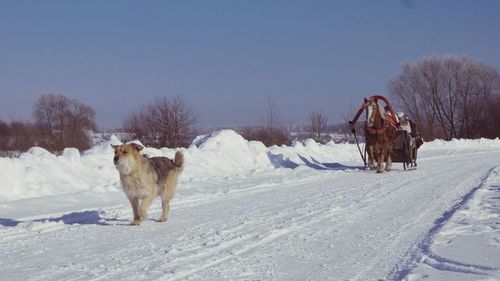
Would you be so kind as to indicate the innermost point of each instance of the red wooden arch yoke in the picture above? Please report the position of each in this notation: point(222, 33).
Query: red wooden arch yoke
point(365, 103)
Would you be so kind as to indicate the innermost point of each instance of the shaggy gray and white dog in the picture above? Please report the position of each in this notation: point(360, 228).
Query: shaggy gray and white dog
point(145, 178)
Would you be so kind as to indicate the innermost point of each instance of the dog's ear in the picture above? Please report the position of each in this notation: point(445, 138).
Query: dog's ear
point(137, 147)
point(114, 146)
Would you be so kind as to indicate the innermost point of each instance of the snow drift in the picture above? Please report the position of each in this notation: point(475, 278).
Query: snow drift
point(38, 172)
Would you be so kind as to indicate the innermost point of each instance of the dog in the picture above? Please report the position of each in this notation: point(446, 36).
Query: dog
point(144, 178)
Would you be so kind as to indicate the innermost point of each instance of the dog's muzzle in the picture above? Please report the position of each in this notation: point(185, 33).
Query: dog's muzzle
point(115, 160)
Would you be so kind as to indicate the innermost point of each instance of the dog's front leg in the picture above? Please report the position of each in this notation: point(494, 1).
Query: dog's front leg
point(134, 202)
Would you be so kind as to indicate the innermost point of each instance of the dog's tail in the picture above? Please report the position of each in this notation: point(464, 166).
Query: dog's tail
point(179, 160)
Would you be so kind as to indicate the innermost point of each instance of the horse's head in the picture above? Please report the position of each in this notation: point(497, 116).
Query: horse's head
point(373, 115)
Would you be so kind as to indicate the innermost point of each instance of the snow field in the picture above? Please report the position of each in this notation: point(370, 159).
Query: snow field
point(246, 212)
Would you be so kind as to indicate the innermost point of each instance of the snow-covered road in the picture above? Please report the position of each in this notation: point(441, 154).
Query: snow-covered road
point(326, 221)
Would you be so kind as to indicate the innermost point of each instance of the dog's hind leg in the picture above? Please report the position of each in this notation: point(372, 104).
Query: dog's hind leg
point(134, 202)
point(165, 204)
point(145, 203)
point(168, 193)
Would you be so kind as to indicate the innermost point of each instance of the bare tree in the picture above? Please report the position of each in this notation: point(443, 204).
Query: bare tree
point(5, 134)
point(81, 120)
point(272, 118)
point(165, 122)
point(492, 126)
point(273, 131)
point(17, 136)
point(24, 135)
point(316, 125)
point(183, 121)
point(477, 85)
point(45, 118)
point(63, 122)
point(447, 97)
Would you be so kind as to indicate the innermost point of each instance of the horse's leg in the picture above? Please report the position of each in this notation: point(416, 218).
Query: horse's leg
point(380, 159)
point(390, 137)
point(372, 156)
point(388, 164)
point(369, 150)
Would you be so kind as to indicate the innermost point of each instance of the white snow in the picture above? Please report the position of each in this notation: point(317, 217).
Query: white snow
point(243, 211)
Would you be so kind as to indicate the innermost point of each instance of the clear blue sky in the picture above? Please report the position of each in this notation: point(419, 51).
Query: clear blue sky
point(226, 57)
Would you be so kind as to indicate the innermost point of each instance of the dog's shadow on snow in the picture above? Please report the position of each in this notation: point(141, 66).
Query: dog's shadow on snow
point(85, 217)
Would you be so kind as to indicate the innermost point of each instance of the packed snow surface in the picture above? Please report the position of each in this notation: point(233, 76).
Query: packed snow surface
point(243, 211)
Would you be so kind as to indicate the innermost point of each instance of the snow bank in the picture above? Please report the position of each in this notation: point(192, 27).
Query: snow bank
point(38, 172)
point(457, 146)
point(224, 153)
point(312, 154)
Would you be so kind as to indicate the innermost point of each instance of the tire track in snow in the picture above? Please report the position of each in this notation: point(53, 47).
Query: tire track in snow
point(312, 215)
point(244, 240)
point(328, 197)
point(255, 243)
point(424, 179)
point(252, 240)
point(204, 253)
point(410, 261)
point(119, 252)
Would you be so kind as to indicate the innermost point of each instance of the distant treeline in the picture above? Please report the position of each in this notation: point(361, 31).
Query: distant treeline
point(59, 122)
point(450, 97)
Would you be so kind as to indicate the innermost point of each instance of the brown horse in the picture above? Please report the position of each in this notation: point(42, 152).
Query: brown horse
point(380, 132)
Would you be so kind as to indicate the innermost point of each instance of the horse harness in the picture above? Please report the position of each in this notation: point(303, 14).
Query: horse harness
point(374, 131)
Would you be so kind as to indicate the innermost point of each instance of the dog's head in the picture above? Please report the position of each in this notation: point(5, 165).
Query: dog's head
point(126, 156)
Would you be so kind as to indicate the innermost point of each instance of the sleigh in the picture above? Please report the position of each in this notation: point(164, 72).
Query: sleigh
point(404, 148)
